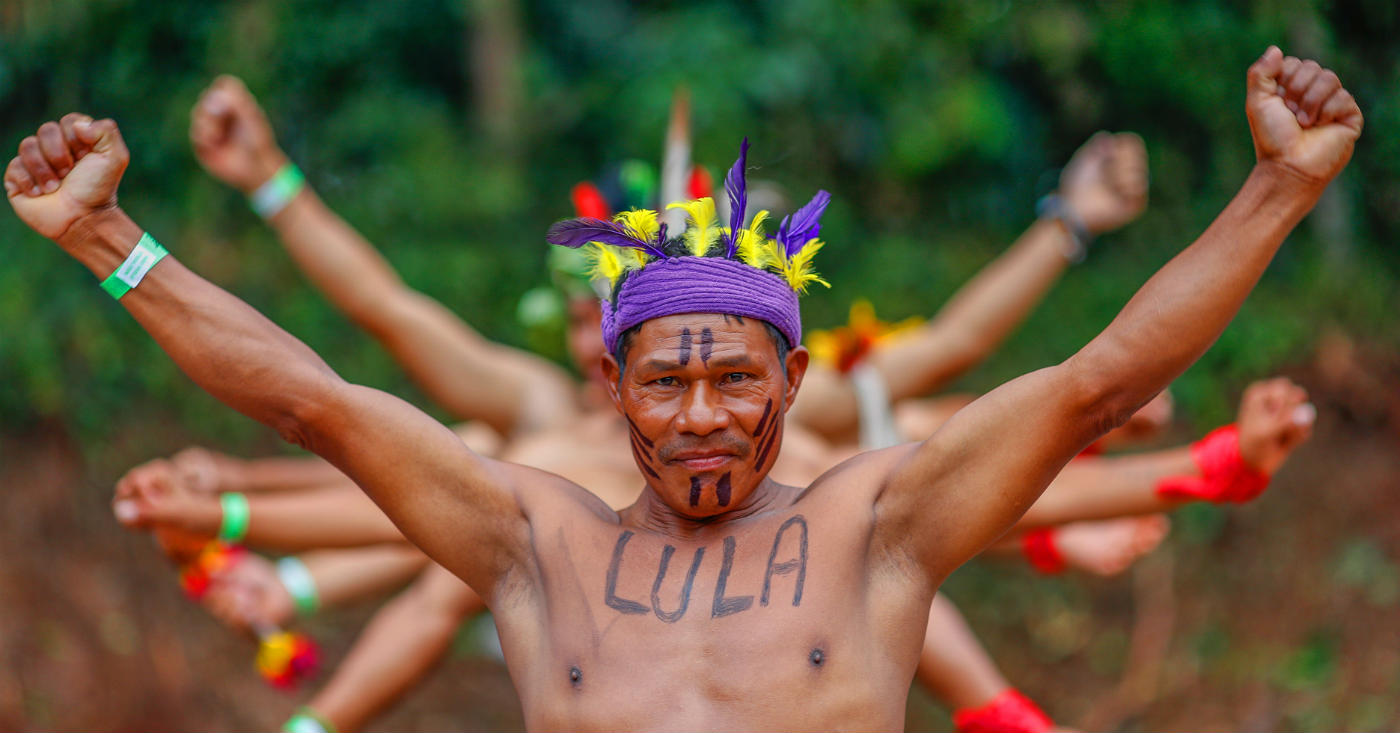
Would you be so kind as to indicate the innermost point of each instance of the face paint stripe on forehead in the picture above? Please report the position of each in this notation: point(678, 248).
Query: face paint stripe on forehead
point(707, 345)
point(685, 347)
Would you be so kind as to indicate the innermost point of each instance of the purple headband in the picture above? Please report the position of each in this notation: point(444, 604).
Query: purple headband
point(702, 285)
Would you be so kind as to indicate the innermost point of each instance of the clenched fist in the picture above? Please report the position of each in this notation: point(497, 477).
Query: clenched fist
point(1275, 418)
point(1300, 116)
point(66, 171)
point(1105, 182)
point(231, 136)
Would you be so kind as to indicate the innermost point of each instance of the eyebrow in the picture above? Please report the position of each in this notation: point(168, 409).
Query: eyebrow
point(661, 365)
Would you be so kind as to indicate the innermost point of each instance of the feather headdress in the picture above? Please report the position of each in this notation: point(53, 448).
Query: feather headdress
point(731, 261)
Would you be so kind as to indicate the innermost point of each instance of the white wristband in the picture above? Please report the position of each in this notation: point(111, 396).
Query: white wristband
point(298, 581)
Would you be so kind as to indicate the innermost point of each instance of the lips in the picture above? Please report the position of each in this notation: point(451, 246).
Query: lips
point(700, 461)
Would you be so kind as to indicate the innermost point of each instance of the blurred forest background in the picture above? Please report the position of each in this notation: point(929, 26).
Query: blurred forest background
point(449, 132)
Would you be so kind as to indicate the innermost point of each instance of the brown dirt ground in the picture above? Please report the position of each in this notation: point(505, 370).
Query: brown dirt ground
point(1279, 615)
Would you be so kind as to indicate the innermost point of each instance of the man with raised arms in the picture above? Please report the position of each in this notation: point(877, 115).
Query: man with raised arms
point(720, 599)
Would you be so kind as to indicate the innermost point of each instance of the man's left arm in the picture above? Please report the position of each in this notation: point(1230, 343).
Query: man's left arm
point(949, 497)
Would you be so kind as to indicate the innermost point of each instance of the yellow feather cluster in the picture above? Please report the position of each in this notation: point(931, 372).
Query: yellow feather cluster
point(640, 223)
point(701, 232)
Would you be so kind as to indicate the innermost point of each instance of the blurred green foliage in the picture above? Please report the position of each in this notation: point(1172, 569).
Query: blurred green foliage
point(934, 124)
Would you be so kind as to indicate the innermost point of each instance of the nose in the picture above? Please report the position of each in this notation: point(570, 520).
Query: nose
point(701, 413)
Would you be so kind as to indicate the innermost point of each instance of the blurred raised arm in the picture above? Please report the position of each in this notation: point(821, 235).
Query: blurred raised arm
point(470, 376)
point(962, 488)
point(1104, 185)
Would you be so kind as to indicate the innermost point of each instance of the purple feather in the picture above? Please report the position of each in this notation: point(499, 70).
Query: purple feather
point(661, 237)
point(737, 189)
point(804, 225)
point(578, 232)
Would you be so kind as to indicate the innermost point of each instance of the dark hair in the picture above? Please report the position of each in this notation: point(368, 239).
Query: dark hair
point(624, 344)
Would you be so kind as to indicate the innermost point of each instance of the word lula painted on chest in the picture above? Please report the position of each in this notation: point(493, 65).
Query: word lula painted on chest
point(795, 562)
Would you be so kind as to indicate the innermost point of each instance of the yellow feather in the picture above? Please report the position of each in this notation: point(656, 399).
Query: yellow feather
point(798, 270)
point(700, 232)
point(640, 223)
point(751, 245)
point(604, 262)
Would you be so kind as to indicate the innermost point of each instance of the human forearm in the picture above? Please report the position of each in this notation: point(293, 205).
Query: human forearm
point(457, 368)
point(400, 645)
point(1102, 488)
point(278, 474)
point(225, 346)
point(979, 316)
point(1182, 309)
point(342, 576)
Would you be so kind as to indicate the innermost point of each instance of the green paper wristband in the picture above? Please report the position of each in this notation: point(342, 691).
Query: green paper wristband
point(234, 526)
point(300, 584)
point(278, 191)
point(306, 720)
point(129, 274)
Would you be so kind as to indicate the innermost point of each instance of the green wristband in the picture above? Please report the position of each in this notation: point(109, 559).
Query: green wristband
point(300, 584)
point(234, 526)
point(280, 189)
point(305, 720)
point(143, 257)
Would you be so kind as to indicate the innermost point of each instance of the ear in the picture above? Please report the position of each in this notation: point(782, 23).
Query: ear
point(796, 367)
point(612, 375)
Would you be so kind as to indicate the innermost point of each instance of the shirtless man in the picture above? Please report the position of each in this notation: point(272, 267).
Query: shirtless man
point(820, 594)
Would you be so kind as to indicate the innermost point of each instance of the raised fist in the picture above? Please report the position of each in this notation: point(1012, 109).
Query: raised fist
point(153, 496)
point(1105, 183)
point(207, 472)
point(231, 136)
point(1300, 116)
point(66, 171)
point(1275, 418)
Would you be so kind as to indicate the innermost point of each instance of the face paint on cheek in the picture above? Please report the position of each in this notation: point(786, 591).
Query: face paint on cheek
point(722, 490)
point(707, 345)
point(640, 449)
point(767, 441)
point(684, 356)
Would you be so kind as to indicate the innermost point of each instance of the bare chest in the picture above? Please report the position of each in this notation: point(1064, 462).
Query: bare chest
point(769, 624)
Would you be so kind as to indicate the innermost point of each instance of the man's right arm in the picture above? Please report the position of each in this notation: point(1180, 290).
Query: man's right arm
point(462, 371)
point(63, 184)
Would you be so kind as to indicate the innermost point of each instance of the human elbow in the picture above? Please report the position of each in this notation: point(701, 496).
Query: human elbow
point(305, 412)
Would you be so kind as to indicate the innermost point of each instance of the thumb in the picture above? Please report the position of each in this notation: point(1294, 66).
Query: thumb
point(1263, 74)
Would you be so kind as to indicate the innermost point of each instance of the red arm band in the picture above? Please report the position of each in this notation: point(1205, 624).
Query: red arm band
point(1225, 477)
point(1009, 712)
point(1038, 545)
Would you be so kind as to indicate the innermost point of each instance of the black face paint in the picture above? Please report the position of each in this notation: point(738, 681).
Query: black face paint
point(722, 490)
point(707, 345)
point(695, 491)
point(798, 565)
point(763, 421)
point(725, 606)
point(768, 442)
point(675, 615)
point(610, 594)
point(685, 347)
point(636, 431)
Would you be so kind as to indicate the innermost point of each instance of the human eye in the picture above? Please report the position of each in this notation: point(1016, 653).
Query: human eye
point(734, 377)
point(665, 381)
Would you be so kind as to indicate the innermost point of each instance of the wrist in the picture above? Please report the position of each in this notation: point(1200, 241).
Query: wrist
point(266, 163)
point(101, 239)
point(1281, 181)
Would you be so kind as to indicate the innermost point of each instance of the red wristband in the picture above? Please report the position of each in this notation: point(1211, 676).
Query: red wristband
point(1225, 477)
point(1038, 545)
point(1009, 712)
